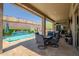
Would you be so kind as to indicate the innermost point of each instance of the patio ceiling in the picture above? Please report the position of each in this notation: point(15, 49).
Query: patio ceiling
point(56, 11)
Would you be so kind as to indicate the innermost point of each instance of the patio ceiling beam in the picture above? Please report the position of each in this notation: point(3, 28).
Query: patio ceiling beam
point(34, 10)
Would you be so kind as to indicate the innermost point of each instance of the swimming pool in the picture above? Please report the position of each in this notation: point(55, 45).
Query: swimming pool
point(18, 36)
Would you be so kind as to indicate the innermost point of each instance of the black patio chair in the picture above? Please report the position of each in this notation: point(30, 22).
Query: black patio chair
point(55, 39)
point(68, 38)
point(41, 41)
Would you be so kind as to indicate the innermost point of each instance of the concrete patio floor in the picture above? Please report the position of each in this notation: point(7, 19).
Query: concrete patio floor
point(29, 48)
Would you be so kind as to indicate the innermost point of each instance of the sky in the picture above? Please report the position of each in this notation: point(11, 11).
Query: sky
point(15, 11)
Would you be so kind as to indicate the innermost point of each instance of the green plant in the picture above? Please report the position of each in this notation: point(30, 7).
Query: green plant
point(27, 30)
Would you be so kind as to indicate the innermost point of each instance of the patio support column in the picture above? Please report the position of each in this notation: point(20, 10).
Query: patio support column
point(1, 29)
point(74, 31)
point(44, 26)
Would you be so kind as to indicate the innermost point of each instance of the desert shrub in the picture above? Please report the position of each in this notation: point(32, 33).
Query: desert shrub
point(8, 33)
point(28, 30)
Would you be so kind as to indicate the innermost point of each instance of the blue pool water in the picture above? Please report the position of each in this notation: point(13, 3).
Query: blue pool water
point(17, 36)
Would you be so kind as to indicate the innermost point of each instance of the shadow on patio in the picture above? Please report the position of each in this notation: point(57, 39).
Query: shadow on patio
point(63, 50)
point(30, 44)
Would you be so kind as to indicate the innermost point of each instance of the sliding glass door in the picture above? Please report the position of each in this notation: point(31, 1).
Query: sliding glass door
point(78, 28)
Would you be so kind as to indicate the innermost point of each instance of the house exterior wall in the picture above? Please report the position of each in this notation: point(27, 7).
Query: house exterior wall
point(15, 23)
point(73, 24)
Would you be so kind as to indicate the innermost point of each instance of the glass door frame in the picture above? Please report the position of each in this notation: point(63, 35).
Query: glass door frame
point(76, 24)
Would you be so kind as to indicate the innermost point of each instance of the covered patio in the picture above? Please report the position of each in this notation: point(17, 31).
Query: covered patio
point(29, 48)
point(56, 13)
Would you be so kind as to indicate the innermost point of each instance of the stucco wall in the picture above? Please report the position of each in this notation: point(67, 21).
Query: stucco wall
point(18, 25)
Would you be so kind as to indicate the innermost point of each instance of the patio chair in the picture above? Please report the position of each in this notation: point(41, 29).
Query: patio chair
point(55, 39)
point(40, 40)
point(68, 38)
point(50, 33)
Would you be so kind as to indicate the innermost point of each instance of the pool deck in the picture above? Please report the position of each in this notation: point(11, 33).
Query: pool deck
point(28, 47)
point(8, 44)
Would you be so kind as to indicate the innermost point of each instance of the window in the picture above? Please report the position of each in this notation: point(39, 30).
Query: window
point(49, 25)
